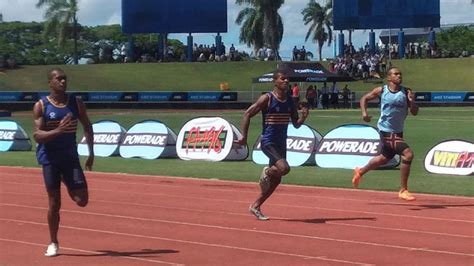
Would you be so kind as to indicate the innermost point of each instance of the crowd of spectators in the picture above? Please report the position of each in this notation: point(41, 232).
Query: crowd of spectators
point(364, 63)
point(299, 54)
point(325, 97)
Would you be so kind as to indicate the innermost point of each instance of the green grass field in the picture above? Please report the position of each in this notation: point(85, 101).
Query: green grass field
point(422, 132)
point(421, 75)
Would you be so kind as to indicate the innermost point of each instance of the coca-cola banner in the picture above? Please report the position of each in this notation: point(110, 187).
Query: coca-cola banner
point(210, 139)
point(107, 137)
point(148, 139)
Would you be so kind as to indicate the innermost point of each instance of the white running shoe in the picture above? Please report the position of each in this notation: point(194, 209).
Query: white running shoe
point(258, 214)
point(52, 250)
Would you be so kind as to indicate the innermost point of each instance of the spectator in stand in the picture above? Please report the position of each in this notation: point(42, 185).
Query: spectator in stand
point(261, 53)
point(345, 96)
point(269, 55)
point(325, 96)
point(295, 54)
point(383, 64)
point(232, 53)
point(311, 97)
point(334, 96)
point(303, 53)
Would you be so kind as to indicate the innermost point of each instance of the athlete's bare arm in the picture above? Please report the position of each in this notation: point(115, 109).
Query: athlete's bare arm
point(39, 134)
point(374, 94)
point(297, 120)
point(88, 132)
point(258, 106)
point(411, 102)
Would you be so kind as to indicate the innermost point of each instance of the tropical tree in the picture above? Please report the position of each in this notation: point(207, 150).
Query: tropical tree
point(59, 15)
point(272, 24)
point(251, 20)
point(320, 20)
point(261, 24)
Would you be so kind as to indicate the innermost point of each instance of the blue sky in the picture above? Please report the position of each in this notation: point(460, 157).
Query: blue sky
point(104, 12)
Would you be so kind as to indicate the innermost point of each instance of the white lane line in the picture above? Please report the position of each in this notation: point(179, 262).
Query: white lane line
point(87, 251)
point(285, 205)
point(252, 231)
point(193, 242)
point(246, 215)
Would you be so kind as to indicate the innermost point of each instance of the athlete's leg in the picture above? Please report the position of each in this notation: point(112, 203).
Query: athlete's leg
point(52, 181)
point(54, 205)
point(374, 163)
point(371, 165)
point(407, 157)
point(80, 196)
point(274, 174)
point(76, 184)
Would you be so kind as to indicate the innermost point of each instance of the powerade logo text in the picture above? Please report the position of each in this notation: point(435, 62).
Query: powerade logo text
point(451, 159)
point(7, 134)
point(349, 147)
point(297, 144)
point(145, 139)
point(211, 139)
point(307, 70)
point(106, 138)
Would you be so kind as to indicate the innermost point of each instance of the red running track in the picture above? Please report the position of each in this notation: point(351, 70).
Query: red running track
point(148, 220)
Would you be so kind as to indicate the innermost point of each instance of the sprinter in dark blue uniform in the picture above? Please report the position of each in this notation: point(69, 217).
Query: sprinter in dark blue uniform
point(277, 111)
point(55, 124)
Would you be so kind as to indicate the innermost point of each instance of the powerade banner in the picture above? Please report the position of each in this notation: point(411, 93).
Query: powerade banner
point(13, 137)
point(148, 139)
point(452, 157)
point(350, 146)
point(107, 137)
point(301, 146)
point(210, 139)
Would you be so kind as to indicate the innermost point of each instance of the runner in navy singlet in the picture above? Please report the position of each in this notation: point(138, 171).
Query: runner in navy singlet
point(55, 124)
point(395, 102)
point(277, 111)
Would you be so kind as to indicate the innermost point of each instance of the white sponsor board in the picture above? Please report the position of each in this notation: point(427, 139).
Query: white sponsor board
point(300, 145)
point(350, 146)
point(148, 139)
point(107, 137)
point(13, 137)
point(211, 139)
point(452, 157)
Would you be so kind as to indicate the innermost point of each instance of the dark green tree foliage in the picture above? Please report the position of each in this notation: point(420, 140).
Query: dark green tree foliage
point(320, 20)
point(456, 41)
point(61, 18)
point(261, 24)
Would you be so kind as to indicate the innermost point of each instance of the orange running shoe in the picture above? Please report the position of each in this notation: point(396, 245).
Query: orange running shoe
point(357, 177)
point(405, 195)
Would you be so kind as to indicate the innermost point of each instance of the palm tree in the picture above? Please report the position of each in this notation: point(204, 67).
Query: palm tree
point(320, 19)
point(251, 30)
point(262, 25)
point(273, 25)
point(59, 14)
